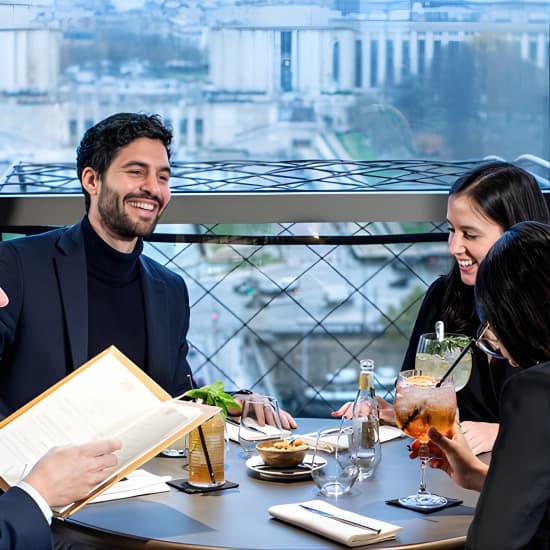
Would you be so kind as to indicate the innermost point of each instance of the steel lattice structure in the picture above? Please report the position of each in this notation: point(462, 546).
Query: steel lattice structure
point(244, 176)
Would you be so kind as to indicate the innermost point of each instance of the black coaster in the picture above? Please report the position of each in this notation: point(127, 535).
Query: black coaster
point(450, 502)
point(183, 485)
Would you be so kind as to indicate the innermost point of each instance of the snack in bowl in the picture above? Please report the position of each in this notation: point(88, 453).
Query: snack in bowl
point(282, 453)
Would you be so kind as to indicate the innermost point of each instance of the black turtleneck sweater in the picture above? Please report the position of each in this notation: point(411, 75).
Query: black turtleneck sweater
point(116, 314)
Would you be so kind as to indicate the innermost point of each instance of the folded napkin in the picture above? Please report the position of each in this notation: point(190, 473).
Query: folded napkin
point(139, 482)
point(253, 431)
point(330, 442)
point(333, 529)
point(387, 433)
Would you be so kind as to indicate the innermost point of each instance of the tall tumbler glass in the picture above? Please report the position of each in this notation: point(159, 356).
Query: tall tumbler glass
point(207, 453)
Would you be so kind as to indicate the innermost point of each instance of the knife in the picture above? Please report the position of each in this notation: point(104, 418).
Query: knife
point(299, 468)
point(338, 518)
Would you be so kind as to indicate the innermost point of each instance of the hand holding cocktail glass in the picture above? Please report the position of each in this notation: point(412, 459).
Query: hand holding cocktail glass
point(422, 402)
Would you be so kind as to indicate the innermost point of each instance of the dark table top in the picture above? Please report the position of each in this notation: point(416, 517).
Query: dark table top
point(238, 518)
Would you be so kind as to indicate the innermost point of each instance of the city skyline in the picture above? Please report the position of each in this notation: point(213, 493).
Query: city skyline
point(285, 79)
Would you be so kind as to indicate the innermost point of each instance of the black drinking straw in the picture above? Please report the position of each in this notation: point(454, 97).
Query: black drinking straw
point(455, 362)
point(203, 444)
point(206, 455)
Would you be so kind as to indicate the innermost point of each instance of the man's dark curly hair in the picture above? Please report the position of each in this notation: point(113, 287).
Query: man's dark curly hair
point(102, 142)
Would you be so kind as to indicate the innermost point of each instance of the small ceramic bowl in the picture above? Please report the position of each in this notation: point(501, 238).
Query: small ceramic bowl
point(286, 456)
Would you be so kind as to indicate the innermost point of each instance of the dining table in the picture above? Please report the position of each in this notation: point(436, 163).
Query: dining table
point(238, 517)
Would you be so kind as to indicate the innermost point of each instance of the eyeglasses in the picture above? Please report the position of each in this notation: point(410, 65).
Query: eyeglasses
point(487, 342)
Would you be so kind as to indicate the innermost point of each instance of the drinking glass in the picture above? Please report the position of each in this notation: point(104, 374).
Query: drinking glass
point(260, 420)
point(434, 357)
point(419, 404)
point(207, 453)
point(333, 446)
point(177, 449)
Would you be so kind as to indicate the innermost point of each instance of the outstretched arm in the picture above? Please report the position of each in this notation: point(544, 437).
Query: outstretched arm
point(387, 415)
point(287, 421)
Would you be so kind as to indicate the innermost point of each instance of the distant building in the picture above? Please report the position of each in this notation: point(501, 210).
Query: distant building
point(314, 50)
point(29, 62)
point(279, 75)
point(324, 58)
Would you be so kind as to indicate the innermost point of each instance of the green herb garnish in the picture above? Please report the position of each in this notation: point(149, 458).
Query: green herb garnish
point(447, 345)
point(214, 394)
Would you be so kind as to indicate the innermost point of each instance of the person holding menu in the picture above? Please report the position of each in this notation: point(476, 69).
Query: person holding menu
point(77, 290)
point(63, 475)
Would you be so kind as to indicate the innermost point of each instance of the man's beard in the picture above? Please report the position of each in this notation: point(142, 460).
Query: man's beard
point(118, 222)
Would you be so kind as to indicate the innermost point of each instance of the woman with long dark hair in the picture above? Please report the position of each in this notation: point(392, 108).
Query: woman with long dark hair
point(512, 293)
point(482, 204)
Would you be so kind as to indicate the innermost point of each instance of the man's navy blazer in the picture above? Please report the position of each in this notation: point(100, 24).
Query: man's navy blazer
point(44, 328)
point(22, 524)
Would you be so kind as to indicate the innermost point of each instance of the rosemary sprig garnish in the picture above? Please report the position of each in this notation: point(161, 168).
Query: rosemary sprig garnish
point(448, 344)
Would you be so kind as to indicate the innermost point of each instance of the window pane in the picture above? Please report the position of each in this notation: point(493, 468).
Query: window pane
point(226, 74)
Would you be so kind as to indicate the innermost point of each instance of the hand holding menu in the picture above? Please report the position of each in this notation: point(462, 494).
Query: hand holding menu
point(107, 397)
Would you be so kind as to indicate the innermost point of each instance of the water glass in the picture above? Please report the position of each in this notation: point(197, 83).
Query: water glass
point(260, 420)
point(177, 449)
point(333, 446)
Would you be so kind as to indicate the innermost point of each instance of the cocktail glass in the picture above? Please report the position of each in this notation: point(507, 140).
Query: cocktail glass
point(434, 357)
point(419, 404)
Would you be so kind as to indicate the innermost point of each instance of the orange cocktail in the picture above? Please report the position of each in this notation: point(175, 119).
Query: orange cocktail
point(419, 404)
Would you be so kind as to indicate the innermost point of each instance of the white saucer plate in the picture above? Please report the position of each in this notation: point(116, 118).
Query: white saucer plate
point(302, 471)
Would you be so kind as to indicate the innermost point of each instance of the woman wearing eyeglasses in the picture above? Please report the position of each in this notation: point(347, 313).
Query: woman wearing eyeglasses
point(482, 204)
point(512, 293)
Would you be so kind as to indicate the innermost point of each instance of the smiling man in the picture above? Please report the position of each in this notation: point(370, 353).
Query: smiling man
point(77, 290)
point(74, 291)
